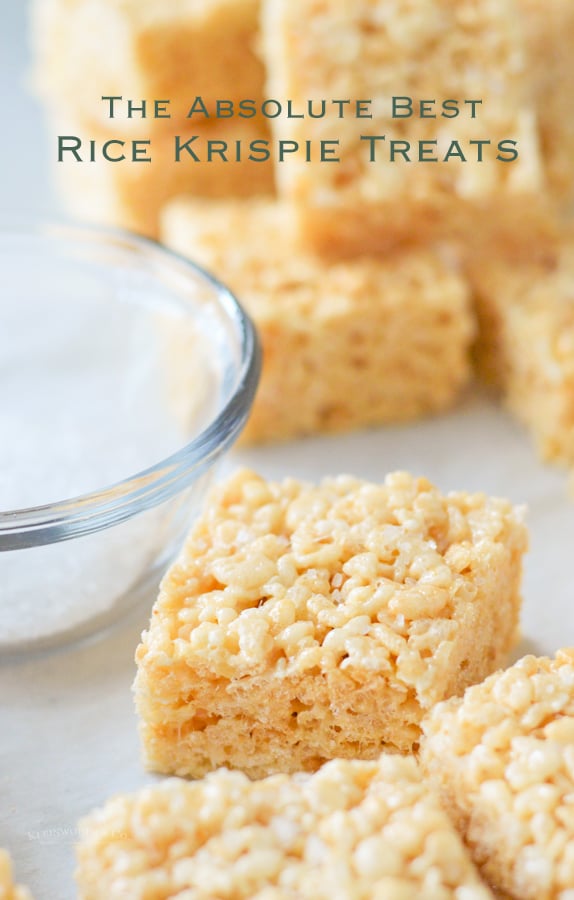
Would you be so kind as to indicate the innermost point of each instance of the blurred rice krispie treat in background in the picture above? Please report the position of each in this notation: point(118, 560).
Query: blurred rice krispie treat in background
point(303, 623)
point(526, 340)
point(170, 50)
point(356, 830)
point(9, 890)
point(345, 344)
point(425, 53)
point(149, 51)
point(503, 759)
point(549, 31)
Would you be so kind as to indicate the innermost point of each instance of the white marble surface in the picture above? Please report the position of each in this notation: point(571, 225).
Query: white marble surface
point(67, 729)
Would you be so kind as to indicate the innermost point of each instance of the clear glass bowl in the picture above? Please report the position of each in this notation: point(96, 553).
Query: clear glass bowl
point(126, 372)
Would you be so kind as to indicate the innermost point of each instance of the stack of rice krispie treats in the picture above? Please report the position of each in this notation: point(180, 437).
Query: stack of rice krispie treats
point(365, 319)
point(329, 642)
point(301, 638)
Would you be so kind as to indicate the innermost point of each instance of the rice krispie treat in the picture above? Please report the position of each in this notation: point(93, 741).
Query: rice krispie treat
point(154, 51)
point(549, 31)
point(353, 831)
point(503, 757)
point(345, 345)
point(388, 186)
point(303, 623)
point(526, 341)
point(131, 195)
point(144, 49)
point(11, 891)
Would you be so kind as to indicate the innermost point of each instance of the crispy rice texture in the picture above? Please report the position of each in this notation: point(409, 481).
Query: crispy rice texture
point(353, 831)
point(503, 758)
point(303, 622)
point(345, 345)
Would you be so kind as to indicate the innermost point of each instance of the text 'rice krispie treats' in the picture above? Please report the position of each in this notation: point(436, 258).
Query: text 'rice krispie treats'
point(426, 51)
point(303, 623)
point(526, 340)
point(152, 50)
point(345, 345)
point(503, 757)
point(353, 831)
point(9, 890)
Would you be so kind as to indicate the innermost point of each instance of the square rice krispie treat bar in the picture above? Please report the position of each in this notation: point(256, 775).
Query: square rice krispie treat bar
point(144, 49)
point(11, 891)
point(131, 194)
point(427, 51)
point(526, 340)
point(503, 757)
point(353, 831)
point(345, 345)
point(303, 623)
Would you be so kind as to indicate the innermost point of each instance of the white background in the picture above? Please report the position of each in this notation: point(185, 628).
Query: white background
point(67, 730)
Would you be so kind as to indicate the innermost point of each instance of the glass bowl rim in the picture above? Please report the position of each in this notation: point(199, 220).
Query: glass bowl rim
point(96, 510)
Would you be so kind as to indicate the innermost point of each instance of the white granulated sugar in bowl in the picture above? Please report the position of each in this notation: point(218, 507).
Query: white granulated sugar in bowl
point(86, 400)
